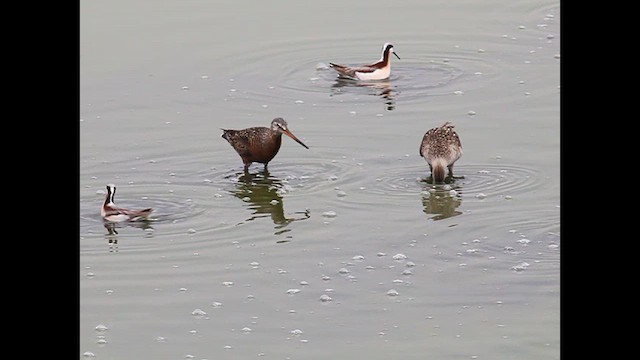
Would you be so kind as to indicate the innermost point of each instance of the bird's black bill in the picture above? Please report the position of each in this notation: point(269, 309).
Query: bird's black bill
point(295, 138)
point(394, 53)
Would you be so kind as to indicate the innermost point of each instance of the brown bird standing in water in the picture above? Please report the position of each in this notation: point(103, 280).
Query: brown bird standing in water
point(259, 144)
point(441, 147)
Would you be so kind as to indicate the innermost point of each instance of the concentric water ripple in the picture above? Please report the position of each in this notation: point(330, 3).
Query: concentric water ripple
point(477, 181)
point(300, 78)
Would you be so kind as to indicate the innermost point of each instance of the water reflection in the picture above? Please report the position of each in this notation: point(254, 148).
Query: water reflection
point(382, 89)
point(112, 234)
point(441, 201)
point(261, 192)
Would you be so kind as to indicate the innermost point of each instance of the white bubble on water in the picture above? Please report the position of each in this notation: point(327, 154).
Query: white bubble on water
point(293, 291)
point(392, 292)
point(198, 312)
point(329, 214)
point(521, 267)
point(325, 298)
point(101, 328)
point(399, 256)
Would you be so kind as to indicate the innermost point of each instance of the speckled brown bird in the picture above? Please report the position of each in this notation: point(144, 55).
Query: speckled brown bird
point(259, 144)
point(111, 212)
point(441, 147)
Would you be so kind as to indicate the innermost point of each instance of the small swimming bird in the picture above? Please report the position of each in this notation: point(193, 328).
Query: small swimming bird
point(111, 212)
point(376, 71)
point(441, 147)
point(259, 144)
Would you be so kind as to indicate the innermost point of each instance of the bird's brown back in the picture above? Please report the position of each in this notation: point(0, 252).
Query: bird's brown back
point(255, 144)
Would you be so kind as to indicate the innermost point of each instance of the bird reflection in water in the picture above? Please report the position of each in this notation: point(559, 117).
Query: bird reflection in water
point(381, 88)
point(112, 234)
point(441, 201)
point(260, 191)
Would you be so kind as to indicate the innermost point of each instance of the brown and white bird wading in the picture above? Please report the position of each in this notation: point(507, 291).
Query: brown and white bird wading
point(441, 147)
point(259, 144)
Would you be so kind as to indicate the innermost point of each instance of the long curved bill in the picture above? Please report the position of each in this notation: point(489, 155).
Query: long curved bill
point(294, 137)
point(394, 53)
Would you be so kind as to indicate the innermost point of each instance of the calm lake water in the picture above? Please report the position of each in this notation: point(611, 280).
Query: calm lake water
point(342, 250)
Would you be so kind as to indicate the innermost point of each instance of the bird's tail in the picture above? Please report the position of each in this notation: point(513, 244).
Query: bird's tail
point(438, 166)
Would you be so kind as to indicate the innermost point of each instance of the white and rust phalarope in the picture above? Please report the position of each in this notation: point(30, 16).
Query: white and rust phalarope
point(378, 71)
point(111, 212)
point(441, 147)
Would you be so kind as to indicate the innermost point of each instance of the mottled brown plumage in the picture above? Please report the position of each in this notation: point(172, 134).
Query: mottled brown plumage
point(441, 147)
point(259, 144)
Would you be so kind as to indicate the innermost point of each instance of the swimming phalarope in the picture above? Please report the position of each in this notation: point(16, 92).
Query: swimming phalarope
point(377, 71)
point(441, 147)
point(259, 144)
point(111, 212)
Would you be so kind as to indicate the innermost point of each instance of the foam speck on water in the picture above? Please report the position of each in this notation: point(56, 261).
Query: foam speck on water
point(325, 298)
point(329, 214)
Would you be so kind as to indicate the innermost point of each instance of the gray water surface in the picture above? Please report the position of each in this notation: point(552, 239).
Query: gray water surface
point(342, 250)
